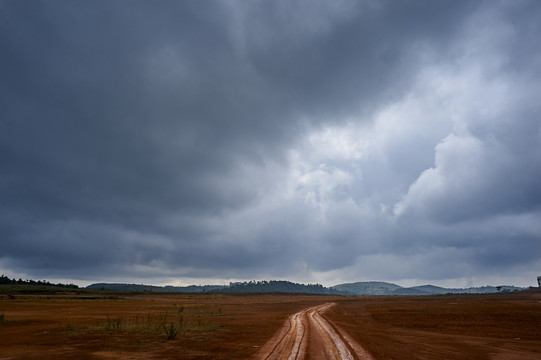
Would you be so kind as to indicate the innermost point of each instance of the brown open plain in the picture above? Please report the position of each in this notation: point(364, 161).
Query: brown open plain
point(216, 326)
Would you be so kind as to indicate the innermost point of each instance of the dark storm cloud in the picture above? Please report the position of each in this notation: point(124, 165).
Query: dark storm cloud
point(169, 139)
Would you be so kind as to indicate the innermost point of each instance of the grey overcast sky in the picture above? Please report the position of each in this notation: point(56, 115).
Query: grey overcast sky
point(193, 142)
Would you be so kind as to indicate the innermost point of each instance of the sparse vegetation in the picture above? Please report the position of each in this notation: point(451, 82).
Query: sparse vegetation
point(115, 325)
point(155, 323)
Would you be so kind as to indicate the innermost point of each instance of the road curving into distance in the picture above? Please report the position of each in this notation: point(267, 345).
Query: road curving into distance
point(307, 334)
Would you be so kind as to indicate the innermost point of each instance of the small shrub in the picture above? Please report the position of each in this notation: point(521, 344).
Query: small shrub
point(114, 325)
point(171, 331)
point(180, 316)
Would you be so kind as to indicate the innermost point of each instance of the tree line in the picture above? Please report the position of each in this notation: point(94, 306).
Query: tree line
point(4, 280)
point(277, 286)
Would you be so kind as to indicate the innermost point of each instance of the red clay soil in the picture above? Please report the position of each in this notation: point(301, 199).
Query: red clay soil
point(502, 326)
point(236, 327)
point(128, 327)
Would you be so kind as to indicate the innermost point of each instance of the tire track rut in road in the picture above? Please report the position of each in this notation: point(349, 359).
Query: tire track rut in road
point(307, 334)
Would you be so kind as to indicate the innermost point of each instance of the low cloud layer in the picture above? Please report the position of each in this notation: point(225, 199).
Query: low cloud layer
point(188, 142)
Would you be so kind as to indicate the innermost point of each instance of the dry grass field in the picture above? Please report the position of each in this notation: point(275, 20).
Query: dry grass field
point(216, 326)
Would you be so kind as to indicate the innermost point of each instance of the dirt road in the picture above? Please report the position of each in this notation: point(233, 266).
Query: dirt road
point(309, 335)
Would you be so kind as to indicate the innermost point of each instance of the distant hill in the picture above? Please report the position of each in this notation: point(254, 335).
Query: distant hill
point(152, 288)
point(409, 291)
point(281, 286)
point(384, 288)
point(367, 288)
point(431, 289)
